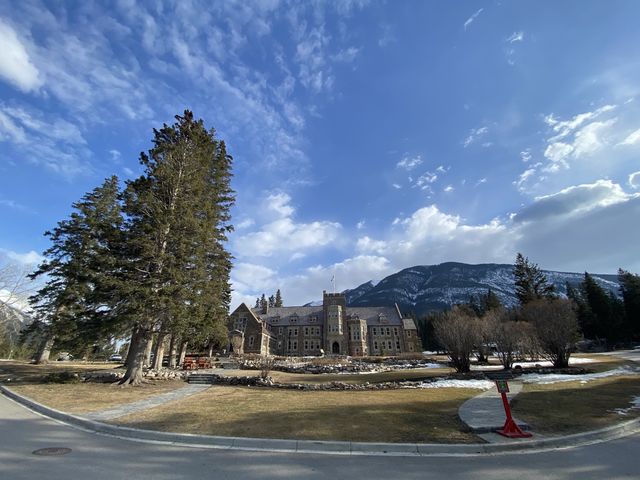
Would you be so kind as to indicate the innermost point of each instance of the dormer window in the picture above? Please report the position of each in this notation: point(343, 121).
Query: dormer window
point(294, 318)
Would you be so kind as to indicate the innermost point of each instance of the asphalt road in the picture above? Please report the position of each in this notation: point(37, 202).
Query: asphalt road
point(96, 457)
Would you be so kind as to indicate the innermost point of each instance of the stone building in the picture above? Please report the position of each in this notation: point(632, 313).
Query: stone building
point(332, 328)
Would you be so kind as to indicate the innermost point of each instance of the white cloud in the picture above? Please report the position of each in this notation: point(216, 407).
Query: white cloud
point(441, 169)
point(283, 236)
point(409, 163)
point(634, 180)
point(396, 186)
point(632, 138)
point(515, 37)
point(592, 138)
point(566, 127)
point(472, 18)
point(475, 134)
point(30, 258)
point(574, 200)
point(346, 55)
point(525, 155)
point(449, 188)
point(369, 245)
point(280, 204)
point(481, 181)
point(360, 225)
point(425, 180)
point(15, 64)
point(246, 223)
point(115, 155)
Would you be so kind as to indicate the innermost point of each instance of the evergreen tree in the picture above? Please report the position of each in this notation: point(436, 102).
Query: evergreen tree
point(178, 219)
point(490, 302)
point(531, 283)
point(602, 317)
point(272, 301)
point(263, 302)
point(257, 305)
point(630, 290)
point(76, 303)
point(278, 302)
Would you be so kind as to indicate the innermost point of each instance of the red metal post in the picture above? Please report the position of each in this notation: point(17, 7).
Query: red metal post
point(510, 428)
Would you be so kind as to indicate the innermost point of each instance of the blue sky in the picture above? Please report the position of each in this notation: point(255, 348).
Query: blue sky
point(367, 136)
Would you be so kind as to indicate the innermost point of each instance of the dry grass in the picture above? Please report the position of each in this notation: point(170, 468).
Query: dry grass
point(369, 416)
point(570, 407)
point(23, 373)
point(91, 397)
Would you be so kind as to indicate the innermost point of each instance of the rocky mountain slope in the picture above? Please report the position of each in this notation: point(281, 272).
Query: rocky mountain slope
point(427, 288)
point(13, 320)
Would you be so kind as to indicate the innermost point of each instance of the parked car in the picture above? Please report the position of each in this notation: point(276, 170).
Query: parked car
point(115, 358)
point(64, 357)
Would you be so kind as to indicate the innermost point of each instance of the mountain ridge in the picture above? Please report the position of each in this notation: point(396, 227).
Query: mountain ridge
point(425, 288)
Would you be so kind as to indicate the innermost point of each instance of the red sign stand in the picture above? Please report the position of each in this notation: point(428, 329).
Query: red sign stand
point(510, 428)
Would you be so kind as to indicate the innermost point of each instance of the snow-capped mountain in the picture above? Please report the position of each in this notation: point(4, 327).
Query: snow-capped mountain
point(13, 320)
point(427, 288)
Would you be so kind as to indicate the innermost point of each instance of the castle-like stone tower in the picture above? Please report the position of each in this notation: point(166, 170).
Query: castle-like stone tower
point(335, 306)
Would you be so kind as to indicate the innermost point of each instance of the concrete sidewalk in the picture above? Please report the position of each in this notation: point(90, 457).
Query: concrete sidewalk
point(484, 413)
point(146, 403)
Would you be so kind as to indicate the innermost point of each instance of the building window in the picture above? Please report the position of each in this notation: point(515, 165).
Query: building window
point(388, 331)
point(306, 345)
point(295, 332)
point(251, 340)
point(411, 347)
point(375, 331)
point(306, 331)
point(279, 330)
point(397, 344)
point(313, 318)
point(395, 331)
point(375, 345)
point(408, 333)
point(295, 345)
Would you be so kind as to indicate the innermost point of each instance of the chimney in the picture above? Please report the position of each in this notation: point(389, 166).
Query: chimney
point(265, 308)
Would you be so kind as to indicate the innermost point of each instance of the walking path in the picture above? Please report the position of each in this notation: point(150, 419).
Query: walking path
point(484, 413)
point(146, 403)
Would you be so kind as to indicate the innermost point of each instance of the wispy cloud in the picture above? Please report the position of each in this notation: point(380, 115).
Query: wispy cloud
point(474, 135)
point(16, 67)
point(409, 163)
point(515, 37)
point(472, 18)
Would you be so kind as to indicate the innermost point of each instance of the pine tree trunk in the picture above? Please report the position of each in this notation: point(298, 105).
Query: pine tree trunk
point(159, 351)
point(147, 350)
point(137, 351)
point(183, 352)
point(172, 352)
point(134, 338)
point(44, 350)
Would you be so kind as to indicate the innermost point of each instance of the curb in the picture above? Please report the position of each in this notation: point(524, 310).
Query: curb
point(328, 447)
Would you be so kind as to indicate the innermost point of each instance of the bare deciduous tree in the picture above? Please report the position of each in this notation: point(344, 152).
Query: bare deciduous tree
point(457, 332)
point(556, 326)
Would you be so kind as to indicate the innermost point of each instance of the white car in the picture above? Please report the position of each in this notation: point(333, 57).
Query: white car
point(115, 358)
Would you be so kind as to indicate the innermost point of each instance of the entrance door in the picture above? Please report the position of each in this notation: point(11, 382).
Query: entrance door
point(335, 348)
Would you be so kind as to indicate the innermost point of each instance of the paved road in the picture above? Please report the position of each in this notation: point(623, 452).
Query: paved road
point(96, 457)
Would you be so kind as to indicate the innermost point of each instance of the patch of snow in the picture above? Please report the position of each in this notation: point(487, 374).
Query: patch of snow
point(547, 379)
point(478, 384)
point(635, 403)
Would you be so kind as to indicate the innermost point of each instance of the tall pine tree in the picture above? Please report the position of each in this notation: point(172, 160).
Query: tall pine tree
point(76, 303)
point(531, 283)
point(178, 221)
